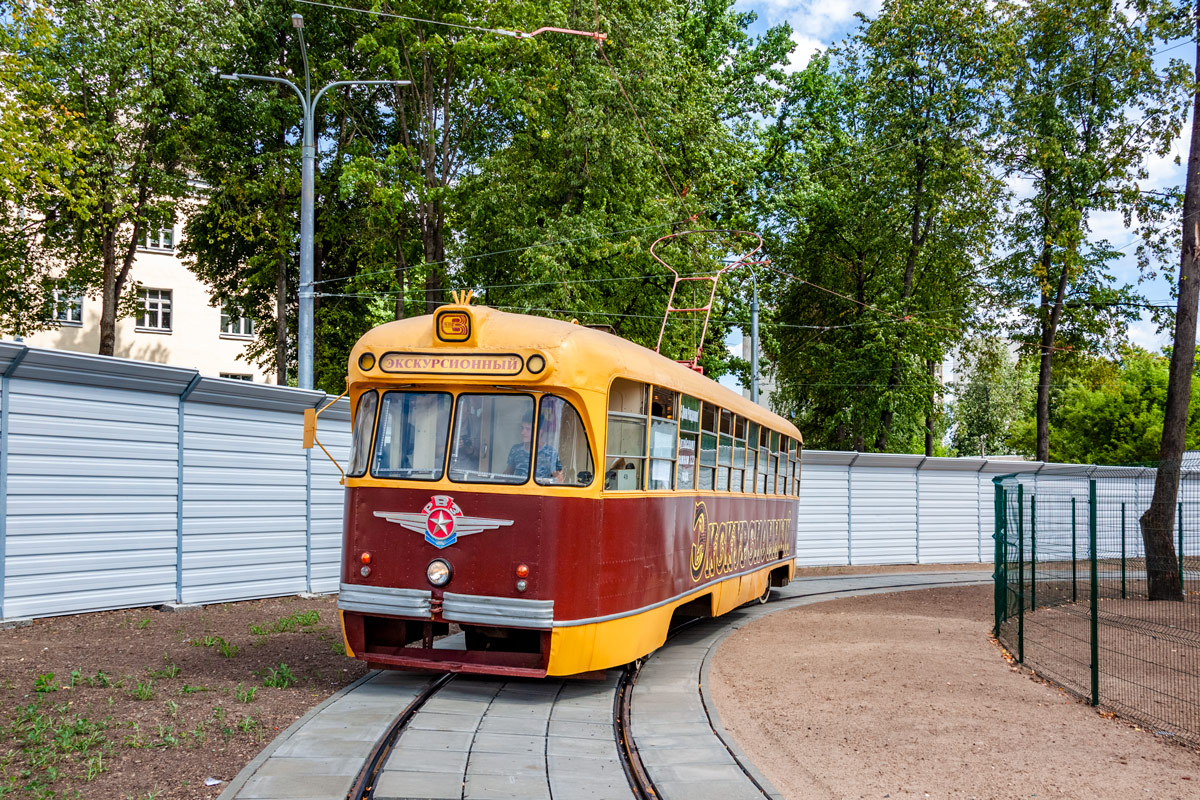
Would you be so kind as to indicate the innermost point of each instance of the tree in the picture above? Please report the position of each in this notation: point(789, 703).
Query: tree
point(125, 71)
point(38, 144)
point(1165, 583)
point(1085, 105)
point(888, 210)
point(988, 398)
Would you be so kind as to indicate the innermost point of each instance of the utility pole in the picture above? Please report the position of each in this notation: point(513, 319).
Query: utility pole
point(308, 104)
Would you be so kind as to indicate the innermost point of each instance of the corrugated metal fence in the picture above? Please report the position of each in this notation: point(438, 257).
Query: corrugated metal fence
point(126, 483)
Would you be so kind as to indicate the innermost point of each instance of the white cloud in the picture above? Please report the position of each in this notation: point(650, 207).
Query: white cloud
point(806, 47)
point(1144, 333)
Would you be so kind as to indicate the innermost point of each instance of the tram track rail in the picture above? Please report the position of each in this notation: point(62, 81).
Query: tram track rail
point(364, 785)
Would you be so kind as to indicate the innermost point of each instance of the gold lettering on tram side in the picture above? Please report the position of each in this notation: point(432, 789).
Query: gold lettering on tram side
point(721, 548)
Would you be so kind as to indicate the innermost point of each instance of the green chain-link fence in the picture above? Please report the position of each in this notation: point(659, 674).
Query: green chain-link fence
point(1071, 592)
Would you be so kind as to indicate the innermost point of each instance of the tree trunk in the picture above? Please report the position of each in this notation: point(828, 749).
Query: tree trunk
point(401, 272)
point(109, 292)
point(1162, 568)
point(932, 368)
point(1052, 308)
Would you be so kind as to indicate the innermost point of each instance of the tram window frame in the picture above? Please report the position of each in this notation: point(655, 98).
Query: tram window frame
point(764, 462)
point(376, 472)
point(750, 481)
point(737, 475)
point(363, 435)
point(666, 401)
point(706, 473)
point(689, 442)
point(453, 442)
point(795, 459)
point(587, 445)
point(633, 410)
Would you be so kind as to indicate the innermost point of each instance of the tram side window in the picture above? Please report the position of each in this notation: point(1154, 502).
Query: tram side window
point(625, 448)
point(708, 447)
point(796, 451)
point(562, 443)
point(764, 439)
point(689, 429)
point(781, 487)
point(493, 437)
point(410, 441)
point(725, 451)
point(773, 469)
point(364, 424)
point(663, 436)
point(739, 455)
point(751, 456)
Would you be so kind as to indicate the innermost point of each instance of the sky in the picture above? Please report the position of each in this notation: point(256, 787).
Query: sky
point(820, 23)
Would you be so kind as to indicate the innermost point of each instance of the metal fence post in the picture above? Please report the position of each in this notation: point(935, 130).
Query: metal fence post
point(999, 577)
point(5, 424)
point(1033, 552)
point(1122, 551)
point(1095, 581)
point(1180, 526)
point(1021, 573)
point(179, 478)
point(1074, 556)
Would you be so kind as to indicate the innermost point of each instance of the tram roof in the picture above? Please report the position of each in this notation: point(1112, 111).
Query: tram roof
point(578, 356)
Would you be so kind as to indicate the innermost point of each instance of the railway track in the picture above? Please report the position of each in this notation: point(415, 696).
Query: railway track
point(645, 731)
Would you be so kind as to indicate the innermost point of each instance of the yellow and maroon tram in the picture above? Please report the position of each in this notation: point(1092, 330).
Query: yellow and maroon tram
point(556, 491)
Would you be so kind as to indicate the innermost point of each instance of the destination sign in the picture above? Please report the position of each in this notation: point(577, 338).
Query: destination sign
point(504, 364)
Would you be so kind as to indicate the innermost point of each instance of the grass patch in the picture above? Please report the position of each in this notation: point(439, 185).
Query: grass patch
point(280, 677)
point(227, 649)
point(53, 744)
point(297, 621)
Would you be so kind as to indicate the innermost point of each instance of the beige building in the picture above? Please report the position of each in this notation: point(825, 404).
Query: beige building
point(174, 324)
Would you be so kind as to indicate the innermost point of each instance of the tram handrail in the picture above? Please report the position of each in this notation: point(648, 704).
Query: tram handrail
point(310, 431)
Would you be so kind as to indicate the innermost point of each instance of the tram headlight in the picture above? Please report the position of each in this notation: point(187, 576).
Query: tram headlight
point(366, 361)
point(438, 572)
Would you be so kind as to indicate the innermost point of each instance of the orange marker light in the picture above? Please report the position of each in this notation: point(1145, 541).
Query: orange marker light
point(365, 558)
point(522, 571)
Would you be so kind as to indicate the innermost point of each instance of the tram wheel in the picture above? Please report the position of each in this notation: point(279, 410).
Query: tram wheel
point(766, 595)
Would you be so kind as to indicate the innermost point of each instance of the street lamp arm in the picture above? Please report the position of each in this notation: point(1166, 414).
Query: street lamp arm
point(329, 86)
point(237, 76)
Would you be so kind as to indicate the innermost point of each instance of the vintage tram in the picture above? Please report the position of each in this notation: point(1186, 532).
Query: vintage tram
point(557, 492)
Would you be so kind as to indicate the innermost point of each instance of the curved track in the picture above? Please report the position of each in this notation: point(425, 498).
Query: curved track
point(650, 730)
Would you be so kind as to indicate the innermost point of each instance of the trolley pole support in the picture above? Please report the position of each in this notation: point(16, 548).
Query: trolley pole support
point(1095, 603)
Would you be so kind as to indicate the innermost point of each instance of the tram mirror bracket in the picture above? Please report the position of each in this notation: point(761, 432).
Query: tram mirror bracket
point(310, 431)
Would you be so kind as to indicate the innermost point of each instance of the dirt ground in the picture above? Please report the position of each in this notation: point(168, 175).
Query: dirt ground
point(141, 704)
point(904, 695)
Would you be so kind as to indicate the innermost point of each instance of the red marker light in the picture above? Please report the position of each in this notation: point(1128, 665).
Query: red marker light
point(365, 558)
point(522, 571)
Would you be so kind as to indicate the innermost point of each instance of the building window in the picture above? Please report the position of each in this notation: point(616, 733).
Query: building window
point(154, 309)
point(160, 239)
point(233, 376)
point(67, 307)
point(234, 324)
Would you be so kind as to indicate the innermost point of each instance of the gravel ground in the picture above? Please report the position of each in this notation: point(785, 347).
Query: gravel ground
point(904, 695)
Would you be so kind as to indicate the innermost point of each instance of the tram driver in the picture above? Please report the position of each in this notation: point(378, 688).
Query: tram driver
point(549, 468)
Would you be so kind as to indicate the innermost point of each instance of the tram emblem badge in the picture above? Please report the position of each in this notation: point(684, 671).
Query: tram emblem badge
point(442, 521)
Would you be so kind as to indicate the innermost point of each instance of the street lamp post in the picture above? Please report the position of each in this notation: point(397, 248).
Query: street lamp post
point(308, 104)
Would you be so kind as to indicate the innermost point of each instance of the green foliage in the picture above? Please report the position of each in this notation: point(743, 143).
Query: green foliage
point(245, 695)
point(881, 199)
point(144, 690)
point(130, 76)
point(301, 619)
point(990, 396)
point(280, 677)
point(1111, 413)
point(45, 683)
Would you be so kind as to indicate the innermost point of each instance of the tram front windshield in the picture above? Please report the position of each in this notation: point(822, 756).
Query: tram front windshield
point(410, 442)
